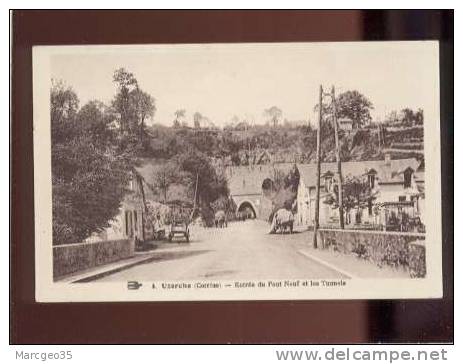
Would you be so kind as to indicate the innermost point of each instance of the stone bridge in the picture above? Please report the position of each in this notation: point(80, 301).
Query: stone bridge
point(246, 187)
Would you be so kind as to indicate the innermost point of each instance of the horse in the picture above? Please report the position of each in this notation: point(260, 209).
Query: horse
point(220, 219)
point(282, 220)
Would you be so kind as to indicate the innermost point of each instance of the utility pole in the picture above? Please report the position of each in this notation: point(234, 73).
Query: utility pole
point(338, 160)
point(195, 198)
point(196, 187)
point(379, 137)
point(317, 190)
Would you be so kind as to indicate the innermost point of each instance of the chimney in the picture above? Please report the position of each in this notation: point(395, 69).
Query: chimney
point(387, 159)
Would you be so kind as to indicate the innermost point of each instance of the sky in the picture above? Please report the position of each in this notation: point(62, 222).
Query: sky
point(223, 80)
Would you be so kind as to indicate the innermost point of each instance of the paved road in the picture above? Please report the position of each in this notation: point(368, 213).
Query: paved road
point(244, 250)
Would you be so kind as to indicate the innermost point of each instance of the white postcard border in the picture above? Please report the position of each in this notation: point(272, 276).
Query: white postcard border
point(49, 291)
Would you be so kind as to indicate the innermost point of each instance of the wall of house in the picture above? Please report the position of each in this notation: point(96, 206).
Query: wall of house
point(306, 207)
point(129, 221)
point(303, 216)
point(72, 258)
point(406, 250)
point(391, 192)
point(422, 209)
point(327, 215)
point(132, 221)
point(118, 226)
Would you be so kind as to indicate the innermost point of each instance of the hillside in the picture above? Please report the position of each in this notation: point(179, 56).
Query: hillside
point(265, 144)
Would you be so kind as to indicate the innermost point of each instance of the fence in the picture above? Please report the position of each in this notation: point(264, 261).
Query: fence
point(71, 258)
point(395, 249)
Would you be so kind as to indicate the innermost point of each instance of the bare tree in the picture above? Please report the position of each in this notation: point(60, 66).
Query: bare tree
point(179, 114)
point(164, 178)
point(274, 114)
point(197, 117)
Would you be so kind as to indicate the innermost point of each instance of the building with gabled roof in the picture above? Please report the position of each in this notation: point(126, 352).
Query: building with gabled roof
point(133, 220)
point(397, 186)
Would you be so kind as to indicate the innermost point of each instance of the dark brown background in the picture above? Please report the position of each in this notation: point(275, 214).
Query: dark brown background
point(219, 322)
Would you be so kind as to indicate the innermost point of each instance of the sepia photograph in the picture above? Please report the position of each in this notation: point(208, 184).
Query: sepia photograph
point(246, 171)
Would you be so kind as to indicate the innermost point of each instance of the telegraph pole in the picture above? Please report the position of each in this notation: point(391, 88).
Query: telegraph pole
point(317, 190)
point(338, 160)
point(195, 198)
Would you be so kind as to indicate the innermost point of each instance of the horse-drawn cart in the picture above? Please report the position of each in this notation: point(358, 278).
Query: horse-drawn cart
point(180, 217)
point(282, 221)
point(179, 228)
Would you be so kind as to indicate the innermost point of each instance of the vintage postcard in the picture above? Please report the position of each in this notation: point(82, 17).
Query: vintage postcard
point(276, 171)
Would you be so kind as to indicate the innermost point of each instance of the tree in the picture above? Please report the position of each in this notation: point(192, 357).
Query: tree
point(355, 106)
point(419, 117)
point(207, 123)
point(278, 178)
point(274, 114)
point(392, 117)
point(122, 102)
point(63, 111)
point(211, 185)
point(164, 178)
point(197, 118)
point(64, 102)
point(226, 204)
point(88, 174)
point(243, 125)
point(408, 116)
point(179, 115)
point(88, 187)
point(356, 193)
point(96, 118)
point(291, 180)
point(132, 105)
point(145, 109)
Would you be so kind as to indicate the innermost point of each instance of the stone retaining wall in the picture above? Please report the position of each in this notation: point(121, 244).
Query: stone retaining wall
point(71, 258)
point(383, 248)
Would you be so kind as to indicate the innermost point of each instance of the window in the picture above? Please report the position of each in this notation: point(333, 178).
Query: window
point(402, 198)
point(370, 208)
point(135, 220)
point(127, 223)
point(371, 180)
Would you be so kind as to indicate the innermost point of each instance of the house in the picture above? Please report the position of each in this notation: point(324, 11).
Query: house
point(130, 222)
point(137, 208)
point(397, 186)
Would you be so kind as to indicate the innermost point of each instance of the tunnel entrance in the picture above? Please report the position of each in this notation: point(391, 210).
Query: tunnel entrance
point(246, 211)
point(268, 188)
